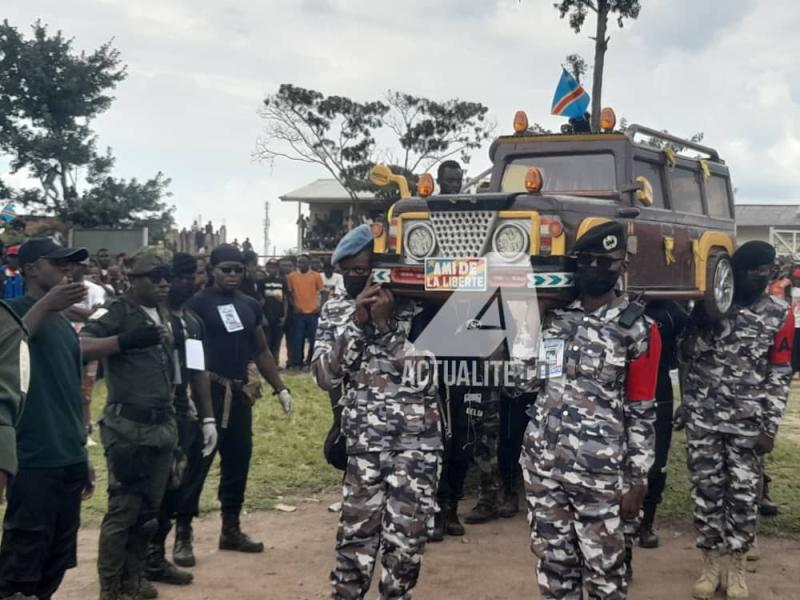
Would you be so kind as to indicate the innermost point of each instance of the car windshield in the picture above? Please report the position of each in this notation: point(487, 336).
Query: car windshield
point(577, 173)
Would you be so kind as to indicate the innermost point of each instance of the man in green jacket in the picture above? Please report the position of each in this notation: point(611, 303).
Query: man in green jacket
point(137, 429)
point(14, 379)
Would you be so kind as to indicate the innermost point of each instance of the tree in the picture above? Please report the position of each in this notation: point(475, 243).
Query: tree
point(577, 65)
point(578, 10)
point(49, 95)
point(339, 134)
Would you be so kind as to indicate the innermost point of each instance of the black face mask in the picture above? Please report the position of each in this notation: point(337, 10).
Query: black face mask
point(179, 295)
point(355, 284)
point(748, 289)
point(595, 282)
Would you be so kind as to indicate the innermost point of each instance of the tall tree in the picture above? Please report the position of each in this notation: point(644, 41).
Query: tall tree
point(340, 134)
point(49, 95)
point(577, 11)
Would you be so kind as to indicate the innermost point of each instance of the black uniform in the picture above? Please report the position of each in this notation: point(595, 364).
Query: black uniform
point(230, 321)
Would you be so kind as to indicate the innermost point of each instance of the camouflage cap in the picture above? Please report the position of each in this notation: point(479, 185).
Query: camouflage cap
point(606, 239)
point(150, 259)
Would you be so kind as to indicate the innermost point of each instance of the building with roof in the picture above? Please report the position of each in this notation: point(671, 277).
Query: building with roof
point(331, 212)
point(778, 224)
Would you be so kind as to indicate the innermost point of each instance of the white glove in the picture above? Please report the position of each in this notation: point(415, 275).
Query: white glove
point(285, 398)
point(209, 436)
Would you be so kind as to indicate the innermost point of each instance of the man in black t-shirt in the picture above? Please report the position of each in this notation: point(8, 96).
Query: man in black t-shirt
point(233, 338)
point(197, 433)
point(275, 300)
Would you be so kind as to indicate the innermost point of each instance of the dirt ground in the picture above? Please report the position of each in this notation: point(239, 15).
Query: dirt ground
point(491, 562)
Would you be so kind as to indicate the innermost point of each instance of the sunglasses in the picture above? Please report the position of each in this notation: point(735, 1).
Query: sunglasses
point(603, 262)
point(156, 275)
point(229, 270)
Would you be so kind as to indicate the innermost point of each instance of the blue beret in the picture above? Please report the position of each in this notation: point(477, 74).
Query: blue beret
point(605, 239)
point(351, 244)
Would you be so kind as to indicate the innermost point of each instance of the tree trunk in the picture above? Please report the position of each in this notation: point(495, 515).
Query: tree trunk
point(600, 47)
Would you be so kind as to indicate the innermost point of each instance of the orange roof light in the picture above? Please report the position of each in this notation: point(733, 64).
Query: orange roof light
point(425, 185)
point(555, 228)
point(533, 180)
point(608, 119)
point(520, 122)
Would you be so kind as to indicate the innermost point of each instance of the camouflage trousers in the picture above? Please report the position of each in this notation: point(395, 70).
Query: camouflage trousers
point(725, 473)
point(388, 503)
point(577, 535)
point(482, 442)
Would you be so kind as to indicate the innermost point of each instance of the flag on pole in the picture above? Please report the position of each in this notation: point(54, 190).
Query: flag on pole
point(8, 213)
point(571, 100)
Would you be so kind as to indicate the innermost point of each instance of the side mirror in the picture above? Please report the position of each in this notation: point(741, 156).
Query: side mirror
point(628, 212)
point(381, 175)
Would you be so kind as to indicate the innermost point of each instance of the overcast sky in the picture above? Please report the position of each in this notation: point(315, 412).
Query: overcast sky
point(198, 70)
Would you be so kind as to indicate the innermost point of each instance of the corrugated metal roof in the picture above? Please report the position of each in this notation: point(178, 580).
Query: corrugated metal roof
point(323, 190)
point(774, 215)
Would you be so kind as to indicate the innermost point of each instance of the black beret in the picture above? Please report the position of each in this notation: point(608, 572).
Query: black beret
point(226, 253)
point(606, 239)
point(752, 255)
point(183, 264)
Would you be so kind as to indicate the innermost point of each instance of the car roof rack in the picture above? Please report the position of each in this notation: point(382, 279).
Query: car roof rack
point(635, 129)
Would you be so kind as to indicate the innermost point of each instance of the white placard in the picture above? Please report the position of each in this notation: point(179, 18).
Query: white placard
point(24, 367)
point(551, 358)
point(230, 318)
point(195, 357)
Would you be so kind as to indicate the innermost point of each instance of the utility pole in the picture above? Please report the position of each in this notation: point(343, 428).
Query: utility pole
point(267, 243)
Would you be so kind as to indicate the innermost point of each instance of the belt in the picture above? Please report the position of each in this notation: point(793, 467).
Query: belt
point(230, 386)
point(140, 414)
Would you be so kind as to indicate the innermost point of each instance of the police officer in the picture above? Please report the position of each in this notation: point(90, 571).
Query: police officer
point(197, 431)
point(589, 444)
point(390, 420)
point(14, 380)
point(736, 375)
point(40, 528)
point(233, 337)
point(137, 428)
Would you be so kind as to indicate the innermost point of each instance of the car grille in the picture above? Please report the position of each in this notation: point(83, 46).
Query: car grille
point(462, 233)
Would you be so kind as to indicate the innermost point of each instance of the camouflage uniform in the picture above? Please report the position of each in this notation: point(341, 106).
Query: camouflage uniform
point(590, 439)
point(393, 434)
point(735, 383)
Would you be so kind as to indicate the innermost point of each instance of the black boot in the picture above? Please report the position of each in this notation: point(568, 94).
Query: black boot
point(439, 523)
point(232, 537)
point(484, 511)
point(510, 505)
point(766, 507)
point(183, 553)
point(648, 537)
point(158, 568)
point(453, 525)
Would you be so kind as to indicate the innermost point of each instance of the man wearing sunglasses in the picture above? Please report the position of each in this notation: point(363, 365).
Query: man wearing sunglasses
point(137, 429)
point(590, 442)
point(40, 528)
point(233, 338)
point(736, 376)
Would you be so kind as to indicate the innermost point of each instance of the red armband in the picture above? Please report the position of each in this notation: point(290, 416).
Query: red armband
point(643, 372)
point(781, 351)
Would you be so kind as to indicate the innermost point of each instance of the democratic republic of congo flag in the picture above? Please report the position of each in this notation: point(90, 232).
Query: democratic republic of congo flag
point(571, 100)
point(8, 213)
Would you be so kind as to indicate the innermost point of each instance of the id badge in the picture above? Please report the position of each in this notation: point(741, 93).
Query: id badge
point(551, 358)
point(230, 318)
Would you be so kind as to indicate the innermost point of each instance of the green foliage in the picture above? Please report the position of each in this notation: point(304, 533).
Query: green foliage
point(49, 94)
point(578, 10)
point(577, 65)
point(339, 134)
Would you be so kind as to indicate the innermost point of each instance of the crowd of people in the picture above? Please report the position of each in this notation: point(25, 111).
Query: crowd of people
point(582, 422)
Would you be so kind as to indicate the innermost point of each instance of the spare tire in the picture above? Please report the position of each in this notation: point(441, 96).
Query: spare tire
point(718, 296)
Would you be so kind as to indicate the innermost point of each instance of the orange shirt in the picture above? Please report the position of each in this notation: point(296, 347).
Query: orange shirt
point(305, 289)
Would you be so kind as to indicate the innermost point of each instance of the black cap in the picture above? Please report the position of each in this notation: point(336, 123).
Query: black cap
point(36, 248)
point(226, 253)
point(606, 239)
point(752, 255)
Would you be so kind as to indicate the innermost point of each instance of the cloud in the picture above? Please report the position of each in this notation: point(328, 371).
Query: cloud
point(199, 70)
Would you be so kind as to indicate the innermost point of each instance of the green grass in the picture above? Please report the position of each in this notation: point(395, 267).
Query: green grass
point(782, 465)
point(288, 461)
point(287, 451)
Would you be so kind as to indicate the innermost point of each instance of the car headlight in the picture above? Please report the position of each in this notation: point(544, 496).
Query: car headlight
point(419, 241)
point(510, 241)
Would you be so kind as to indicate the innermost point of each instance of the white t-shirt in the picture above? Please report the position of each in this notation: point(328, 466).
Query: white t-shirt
point(334, 284)
point(152, 312)
point(96, 296)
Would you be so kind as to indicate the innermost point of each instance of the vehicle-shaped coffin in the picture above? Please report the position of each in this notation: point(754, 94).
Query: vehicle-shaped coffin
point(545, 192)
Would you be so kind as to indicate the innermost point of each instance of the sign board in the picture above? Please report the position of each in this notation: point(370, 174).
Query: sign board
point(455, 274)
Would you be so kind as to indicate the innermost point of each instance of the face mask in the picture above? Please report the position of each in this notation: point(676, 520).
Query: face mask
point(748, 289)
point(595, 282)
point(355, 284)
